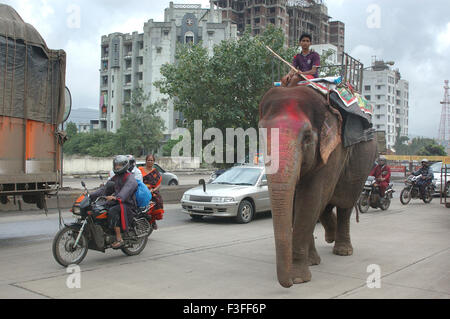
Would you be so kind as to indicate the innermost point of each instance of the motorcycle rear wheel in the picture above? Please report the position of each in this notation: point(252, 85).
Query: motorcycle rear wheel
point(137, 248)
point(62, 247)
point(363, 203)
point(405, 196)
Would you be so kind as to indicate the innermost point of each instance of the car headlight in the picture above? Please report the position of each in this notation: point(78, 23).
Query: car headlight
point(186, 197)
point(217, 199)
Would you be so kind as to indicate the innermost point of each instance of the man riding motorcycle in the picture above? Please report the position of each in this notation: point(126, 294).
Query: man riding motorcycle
point(382, 174)
point(427, 176)
point(122, 205)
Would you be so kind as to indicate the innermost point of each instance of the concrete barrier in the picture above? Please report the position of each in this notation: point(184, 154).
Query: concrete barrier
point(76, 165)
point(170, 195)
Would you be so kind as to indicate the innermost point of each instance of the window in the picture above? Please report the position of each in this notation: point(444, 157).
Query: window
point(112, 124)
point(367, 97)
point(367, 87)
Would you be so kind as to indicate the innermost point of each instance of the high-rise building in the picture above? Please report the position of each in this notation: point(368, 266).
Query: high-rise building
point(294, 17)
point(337, 37)
point(129, 61)
point(255, 14)
point(389, 95)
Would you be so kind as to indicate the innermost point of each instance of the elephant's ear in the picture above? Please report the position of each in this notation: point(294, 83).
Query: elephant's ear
point(330, 135)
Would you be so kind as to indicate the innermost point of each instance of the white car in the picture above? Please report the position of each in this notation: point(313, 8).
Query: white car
point(167, 177)
point(436, 167)
point(239, 192)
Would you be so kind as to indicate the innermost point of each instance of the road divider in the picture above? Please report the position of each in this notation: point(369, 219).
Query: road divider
point(170, 195)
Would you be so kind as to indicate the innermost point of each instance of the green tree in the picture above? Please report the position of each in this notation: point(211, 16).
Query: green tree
point(432, 150)
point(71, 129)
point(141, 129)
point(223, 90)
point(326, 67)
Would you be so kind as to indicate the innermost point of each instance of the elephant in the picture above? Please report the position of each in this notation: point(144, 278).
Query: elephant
point(315, 174)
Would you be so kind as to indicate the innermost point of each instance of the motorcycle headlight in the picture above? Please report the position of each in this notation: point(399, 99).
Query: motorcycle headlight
point(218, 199)
point(186, 197)
point(76, 210)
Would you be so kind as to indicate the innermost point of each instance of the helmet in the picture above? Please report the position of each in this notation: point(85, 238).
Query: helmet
point(425, 161)
point(132, 162)
point(120, 164)
point(382, 159)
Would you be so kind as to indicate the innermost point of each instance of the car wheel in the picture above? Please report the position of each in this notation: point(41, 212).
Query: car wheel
point(173, 183)
point(245, 212)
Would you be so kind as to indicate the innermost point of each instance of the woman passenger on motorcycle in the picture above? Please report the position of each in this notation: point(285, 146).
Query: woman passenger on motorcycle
point(427, 175)
point(382, 174)
point(122, 205)
point(152, 179)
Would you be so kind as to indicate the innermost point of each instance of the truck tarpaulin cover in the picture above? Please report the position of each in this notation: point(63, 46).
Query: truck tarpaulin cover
point(32, 77)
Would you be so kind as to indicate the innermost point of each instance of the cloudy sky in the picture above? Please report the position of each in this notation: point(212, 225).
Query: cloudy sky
point(413, 33)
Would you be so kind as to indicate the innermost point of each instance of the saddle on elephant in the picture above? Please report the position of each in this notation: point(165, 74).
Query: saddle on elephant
point(355, 112)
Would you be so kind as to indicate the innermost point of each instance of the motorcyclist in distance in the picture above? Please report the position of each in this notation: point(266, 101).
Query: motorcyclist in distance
point(426, 178)
point(382, 174)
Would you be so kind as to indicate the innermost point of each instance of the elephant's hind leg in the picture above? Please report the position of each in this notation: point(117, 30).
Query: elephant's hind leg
point(313, 255)
point(328, 221)
point(343, 245)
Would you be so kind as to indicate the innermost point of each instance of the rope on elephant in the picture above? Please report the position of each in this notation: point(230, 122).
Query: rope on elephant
point(357, 213)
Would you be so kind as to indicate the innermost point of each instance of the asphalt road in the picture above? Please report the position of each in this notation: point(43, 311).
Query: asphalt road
point(217, 258)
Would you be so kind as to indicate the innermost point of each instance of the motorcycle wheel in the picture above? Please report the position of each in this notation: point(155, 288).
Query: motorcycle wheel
point(136, 248)
point(363, 203)
point(428, 197)
point(405, 196)
point(386, 204)
point(62, 247)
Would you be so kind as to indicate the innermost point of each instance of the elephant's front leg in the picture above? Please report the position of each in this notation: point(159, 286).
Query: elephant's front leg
point(343, 245)
point(306, 213)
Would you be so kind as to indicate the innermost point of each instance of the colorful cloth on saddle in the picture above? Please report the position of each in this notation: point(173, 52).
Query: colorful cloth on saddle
point(349, 98)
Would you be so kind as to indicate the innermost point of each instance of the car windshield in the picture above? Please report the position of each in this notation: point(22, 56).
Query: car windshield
point(436, 167)
point(239, 176)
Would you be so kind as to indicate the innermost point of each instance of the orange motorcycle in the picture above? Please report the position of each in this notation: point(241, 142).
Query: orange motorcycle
point(90, 231)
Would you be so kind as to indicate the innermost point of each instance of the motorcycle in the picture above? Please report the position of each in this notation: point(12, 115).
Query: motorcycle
point(370, 196)
point(91, 231)
point(412, 191)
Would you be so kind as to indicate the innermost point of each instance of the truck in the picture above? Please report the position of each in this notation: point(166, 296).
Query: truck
point(32, 109)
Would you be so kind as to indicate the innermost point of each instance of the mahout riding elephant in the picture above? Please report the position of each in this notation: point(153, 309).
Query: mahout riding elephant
point(315, 174)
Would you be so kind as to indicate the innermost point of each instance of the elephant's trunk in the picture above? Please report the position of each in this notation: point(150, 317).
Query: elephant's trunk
point(282, 185)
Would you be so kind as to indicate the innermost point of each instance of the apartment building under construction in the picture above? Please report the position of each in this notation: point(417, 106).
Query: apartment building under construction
point(294, 17)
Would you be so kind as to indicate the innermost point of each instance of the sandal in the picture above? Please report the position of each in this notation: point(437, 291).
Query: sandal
point(117, 244)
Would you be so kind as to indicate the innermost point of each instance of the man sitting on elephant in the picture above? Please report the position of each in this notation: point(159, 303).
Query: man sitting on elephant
point(307, 62)
point(382, 174)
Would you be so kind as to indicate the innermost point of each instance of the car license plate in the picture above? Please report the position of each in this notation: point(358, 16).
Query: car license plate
point(195, 207)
